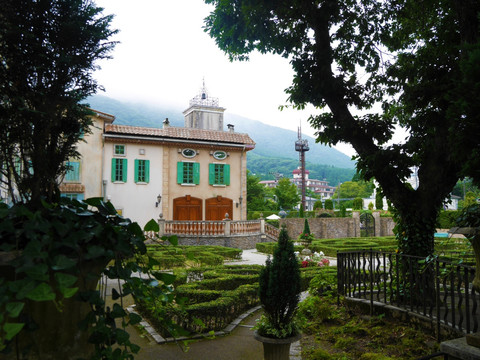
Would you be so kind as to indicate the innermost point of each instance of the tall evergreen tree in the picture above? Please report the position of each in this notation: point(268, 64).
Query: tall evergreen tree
point(279, 285)
point(48, 52)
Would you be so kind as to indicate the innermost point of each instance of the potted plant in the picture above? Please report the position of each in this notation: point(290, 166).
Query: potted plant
point(279, 291)
point(306, 237)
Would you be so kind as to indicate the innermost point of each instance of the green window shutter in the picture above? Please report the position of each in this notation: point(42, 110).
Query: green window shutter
point(179, 172)
point(114, 168)
point(211, 174)
point(226, 174)
point(135, 176)
point(196, 173)
point(124, 172)
point(147, 171)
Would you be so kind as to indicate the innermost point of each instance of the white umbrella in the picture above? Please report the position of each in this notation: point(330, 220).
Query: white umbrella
point(273, 217)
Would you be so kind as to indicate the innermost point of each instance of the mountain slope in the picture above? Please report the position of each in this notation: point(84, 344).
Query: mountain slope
point(270, 141)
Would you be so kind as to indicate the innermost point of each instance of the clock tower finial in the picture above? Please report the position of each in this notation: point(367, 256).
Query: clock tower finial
point(204, 111)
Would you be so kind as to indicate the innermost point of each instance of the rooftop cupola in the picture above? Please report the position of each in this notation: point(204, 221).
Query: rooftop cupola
point(204, 112)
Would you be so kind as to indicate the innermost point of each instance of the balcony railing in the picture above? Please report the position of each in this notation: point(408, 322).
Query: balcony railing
point(217, 228)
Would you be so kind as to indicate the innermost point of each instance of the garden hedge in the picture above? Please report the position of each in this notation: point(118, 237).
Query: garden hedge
point(215, 296)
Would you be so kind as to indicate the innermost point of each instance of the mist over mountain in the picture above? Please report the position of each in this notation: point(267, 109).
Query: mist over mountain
point(274, 150)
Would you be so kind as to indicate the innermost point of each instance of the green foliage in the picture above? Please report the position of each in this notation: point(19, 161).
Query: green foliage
point(343, 210)
point(357, 204)
point(330, 246)
point(300, 212)
point(317, 205)
point(262, 162)
point(379, 200)
point(447, 219)
point(257, 194)
point(470, 216)
point(213, 297)
point(169, 257)
point(328, 204)
point(64, 246)
point(333, 50)
point(354, 189)
point(49, 51)
point(287, 194)
point(279, 287)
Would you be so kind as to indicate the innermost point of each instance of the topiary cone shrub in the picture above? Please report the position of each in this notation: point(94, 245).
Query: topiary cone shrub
point(279, 291)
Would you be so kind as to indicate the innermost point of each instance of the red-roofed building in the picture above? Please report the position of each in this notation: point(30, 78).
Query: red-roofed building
point(196, 172)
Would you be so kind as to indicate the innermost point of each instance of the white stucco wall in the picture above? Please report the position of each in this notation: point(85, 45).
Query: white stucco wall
point(135, 200)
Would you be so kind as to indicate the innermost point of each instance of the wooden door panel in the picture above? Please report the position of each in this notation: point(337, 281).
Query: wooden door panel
point(187, 208)
point(217, 207)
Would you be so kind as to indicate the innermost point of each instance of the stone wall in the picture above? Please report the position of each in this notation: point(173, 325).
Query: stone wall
point(332, 228)
point(235, 241)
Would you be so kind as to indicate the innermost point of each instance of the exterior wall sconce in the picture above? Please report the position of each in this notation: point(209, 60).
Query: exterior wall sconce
point(159, 199)
point(240, 199)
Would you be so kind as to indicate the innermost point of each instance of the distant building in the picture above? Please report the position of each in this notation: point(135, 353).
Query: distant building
point(319, 187)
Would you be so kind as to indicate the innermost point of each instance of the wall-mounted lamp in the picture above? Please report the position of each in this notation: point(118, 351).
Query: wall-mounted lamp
point(109, 198)
point(159, 198)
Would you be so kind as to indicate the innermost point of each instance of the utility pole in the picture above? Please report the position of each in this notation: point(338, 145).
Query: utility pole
point(301, 145)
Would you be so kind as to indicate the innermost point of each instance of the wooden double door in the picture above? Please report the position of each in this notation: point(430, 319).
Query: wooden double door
point(190, 208)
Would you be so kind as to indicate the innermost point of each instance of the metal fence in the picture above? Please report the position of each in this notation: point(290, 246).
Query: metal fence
point(436, 289)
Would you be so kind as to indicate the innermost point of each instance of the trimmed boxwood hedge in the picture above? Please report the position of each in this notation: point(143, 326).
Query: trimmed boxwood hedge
point(215, 296)
point(331, 246)
point(170, 257)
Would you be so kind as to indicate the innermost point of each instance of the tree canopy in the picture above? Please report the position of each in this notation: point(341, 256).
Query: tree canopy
point(286, 194)
point(48, 51)
point(374, 67)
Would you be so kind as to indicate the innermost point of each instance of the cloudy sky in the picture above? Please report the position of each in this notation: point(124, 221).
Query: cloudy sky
point(164, 55)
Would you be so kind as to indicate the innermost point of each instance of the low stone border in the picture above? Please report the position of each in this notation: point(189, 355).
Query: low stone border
point(161, 340)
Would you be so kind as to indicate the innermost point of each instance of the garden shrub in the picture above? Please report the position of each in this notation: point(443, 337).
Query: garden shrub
point(357, 203)
point(328, 204)
point(172, 257)
point(447, 219)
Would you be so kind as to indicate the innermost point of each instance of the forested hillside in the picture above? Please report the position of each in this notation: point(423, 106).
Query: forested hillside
point(264, 167)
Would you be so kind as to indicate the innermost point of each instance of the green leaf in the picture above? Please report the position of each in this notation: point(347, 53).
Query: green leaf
point(166, 278)
point(122, 336)
point(14, 308)
point(12, 329)
point(42, 292)
point(68, 292)
point(135, 318)
point(190, 255)
point(115, 294)
point(65, 280)
point(152, 225)
point(96, 251)
point(118, 311)
point(173, 239)
point(61, 262)
point(38, 272)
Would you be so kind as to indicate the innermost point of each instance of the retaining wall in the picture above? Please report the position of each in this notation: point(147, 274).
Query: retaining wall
point(334, 228)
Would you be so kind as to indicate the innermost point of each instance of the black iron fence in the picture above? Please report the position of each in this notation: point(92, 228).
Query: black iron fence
point(432, 288)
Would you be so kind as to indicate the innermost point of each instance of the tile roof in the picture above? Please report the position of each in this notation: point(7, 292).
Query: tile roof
point(173, 132)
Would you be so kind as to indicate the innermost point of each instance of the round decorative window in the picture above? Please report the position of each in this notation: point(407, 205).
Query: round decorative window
point(219, 155)
point(189, 153)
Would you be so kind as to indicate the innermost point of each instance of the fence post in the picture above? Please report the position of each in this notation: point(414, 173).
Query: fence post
point(371, 282)
point(227, 223)
point(161, 225)
point(262, 226)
